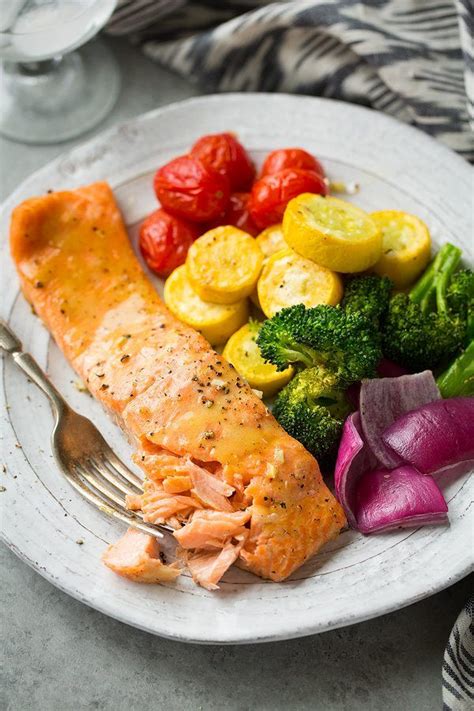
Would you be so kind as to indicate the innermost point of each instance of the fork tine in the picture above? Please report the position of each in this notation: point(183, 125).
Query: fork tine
point(108, 507)
point(105, 462)
point(117, 464)
point(86, 471)
point(98, 466)
point(109, 495)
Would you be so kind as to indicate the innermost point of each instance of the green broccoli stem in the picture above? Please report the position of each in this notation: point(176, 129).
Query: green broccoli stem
point(458, 379)
point(305, 355)
point(436, 278)
point(444, 278)
point(470, 325)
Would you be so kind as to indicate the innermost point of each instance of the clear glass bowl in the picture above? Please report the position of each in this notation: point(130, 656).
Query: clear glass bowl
point(51, 91)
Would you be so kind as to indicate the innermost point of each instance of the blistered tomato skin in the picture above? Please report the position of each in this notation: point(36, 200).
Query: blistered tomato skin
point(223, 153)
point(164, 241)
point(188, 189)
point(238, 214)
point(271, 194)
point(290, 158)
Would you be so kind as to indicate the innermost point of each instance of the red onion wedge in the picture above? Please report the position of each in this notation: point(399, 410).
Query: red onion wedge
point(384, 400)
point(353, 460)
point(385, 369)
point(401, 497)
point(435, 436)
point(388, 369)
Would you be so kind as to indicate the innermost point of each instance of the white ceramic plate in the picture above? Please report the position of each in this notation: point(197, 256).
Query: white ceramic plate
point(43, 519)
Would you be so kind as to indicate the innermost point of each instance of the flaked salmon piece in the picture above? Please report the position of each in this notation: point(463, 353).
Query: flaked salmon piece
point(207, 569)
point(133, 502)
point(136, 556)
point(177, 484)
point(157, 376)
point(157, 465)
point(211, 529)
point(210, 490)
point(157, 505)
point(179, 474)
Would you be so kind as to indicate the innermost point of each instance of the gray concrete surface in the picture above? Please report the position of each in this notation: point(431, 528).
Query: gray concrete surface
point(59, 655)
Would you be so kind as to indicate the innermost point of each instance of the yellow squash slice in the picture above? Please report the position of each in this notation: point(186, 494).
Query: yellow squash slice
point(332, 232)
point(243, 352)
point(406, 246)
point(216, 322)
point(224, 265)
point(288, 278)
point(271, 240)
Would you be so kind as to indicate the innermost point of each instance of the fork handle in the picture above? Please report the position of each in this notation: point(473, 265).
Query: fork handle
point(12, 345)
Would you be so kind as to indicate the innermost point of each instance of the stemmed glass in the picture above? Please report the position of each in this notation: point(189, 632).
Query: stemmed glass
point(48, 92)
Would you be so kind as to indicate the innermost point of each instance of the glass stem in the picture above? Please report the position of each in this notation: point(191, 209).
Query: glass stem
point(34, 69)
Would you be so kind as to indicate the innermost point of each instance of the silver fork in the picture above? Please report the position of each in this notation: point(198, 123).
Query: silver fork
point(80, 451)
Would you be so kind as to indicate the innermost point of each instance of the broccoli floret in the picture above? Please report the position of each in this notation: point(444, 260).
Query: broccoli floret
point(368, 296)
point(346, 344)
point(312, 409)
point(460, 299)
point(416, 340)
point(458, 379)
point(420, 330)
point(282, 339)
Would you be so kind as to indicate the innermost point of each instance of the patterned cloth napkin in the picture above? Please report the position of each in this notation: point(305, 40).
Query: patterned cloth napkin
point(413, 59)
point(458, 664)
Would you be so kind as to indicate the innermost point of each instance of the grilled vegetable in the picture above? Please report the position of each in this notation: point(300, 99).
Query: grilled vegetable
point(164, 241)
point(271, 194)
point(223, 153)
point(187, 188)
point(384, 400)
point(437, 435)
point(421, 330)
point(224, 264)
point(367, 296)
point(398, 498)
point(333, 233)
point(216, 322)
point(460, 299)
point(346, 344)
point(458, 379)
point(242, 351)
point(287, 279)
point(312, 408)
point(271, 240)
point(406, 246)
point(290, 158)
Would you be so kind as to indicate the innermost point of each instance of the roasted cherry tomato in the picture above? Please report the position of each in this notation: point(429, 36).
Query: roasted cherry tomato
point(187, 188)
point(165, 240)
point(222, 152)
point(290, 158)
point(237, 214)
point(271, 194)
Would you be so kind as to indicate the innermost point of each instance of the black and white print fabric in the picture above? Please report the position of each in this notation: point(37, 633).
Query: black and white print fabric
point(413, 59)
point(458, 664)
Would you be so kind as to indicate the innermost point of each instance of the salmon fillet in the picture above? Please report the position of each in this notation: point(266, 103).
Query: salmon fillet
point(205, 441)
point(136, 556)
